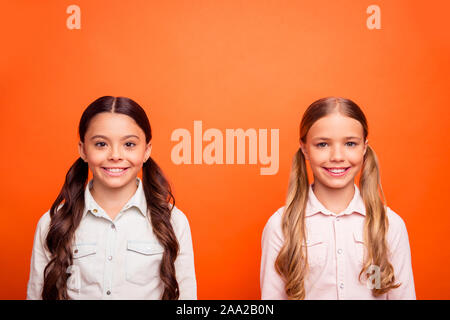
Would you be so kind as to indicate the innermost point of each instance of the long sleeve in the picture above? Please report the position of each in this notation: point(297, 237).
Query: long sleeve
point(401, 259)
point(184, 264)
point(39, 259)
point(272, 285)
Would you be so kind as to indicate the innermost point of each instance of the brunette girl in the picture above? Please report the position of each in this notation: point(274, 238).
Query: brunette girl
point(116, 236)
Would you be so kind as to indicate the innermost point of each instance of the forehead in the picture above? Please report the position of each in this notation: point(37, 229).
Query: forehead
point(113, 124)
point(336, 126)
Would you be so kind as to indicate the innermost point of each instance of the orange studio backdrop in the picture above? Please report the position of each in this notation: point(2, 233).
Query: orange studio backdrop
point(227, 65)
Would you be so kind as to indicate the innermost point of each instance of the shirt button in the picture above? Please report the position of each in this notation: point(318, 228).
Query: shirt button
point(76, 251)
point(339, 251)
point(94, 211)
point(113, 226)
point(341, 286)
point(108, 292)
point(110, 258)
point(337, 219)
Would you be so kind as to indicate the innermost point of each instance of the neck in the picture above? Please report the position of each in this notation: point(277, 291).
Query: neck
point(335, 200)
point(112, 200)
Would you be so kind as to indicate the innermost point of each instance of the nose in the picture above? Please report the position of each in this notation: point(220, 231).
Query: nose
point(115, 154)
point(337, 154)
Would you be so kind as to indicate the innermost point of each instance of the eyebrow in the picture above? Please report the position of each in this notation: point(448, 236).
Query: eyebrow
point(328, 139)
point(106, 138)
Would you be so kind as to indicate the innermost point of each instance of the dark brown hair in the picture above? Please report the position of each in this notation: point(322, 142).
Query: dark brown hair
point(67, 210)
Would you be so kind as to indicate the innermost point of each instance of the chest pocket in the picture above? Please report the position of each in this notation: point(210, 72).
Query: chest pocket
point(316, 250)
point(142, 261)
point(358, 246)
point(84, 269)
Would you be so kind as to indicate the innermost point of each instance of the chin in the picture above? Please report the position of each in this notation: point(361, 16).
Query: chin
point(119, 184)
point(340, 184)
point(114, 182)
point(337, 184)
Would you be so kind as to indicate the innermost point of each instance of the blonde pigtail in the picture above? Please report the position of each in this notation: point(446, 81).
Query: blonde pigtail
point(375, 225)
point(292, 262)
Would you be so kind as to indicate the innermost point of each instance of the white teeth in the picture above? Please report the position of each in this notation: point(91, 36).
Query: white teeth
point(337, 170)
point(114, 169)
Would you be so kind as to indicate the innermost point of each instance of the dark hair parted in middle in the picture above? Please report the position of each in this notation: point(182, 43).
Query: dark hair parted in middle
point(67, 210)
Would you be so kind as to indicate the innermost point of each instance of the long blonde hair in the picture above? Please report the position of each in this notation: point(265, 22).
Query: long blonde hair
point(292, 260)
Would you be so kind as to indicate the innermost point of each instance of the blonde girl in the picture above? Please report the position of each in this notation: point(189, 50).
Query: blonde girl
point(333, 240)
point(116, 236)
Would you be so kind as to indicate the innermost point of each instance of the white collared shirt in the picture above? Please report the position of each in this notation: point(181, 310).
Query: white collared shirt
point(116, 259)
point(335, 247)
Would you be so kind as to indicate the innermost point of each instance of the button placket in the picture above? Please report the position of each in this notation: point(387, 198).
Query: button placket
point(340, 260)
point(110, 245)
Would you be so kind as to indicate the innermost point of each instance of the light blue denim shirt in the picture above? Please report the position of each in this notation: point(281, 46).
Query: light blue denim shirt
point(116, 259)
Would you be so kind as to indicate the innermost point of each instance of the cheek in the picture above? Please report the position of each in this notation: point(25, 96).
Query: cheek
point(318, 157)
point(356, 157)
point(136, 158)
point(95, 157)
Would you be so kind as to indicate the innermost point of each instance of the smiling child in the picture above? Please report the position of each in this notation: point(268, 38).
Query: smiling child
point(116, 236)
point(333, 240)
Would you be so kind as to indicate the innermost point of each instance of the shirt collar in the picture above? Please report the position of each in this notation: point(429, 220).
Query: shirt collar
point(315, 206)
point(138, 200)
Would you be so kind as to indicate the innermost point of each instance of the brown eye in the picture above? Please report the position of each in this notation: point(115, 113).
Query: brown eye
point(321, 145)
point(130, 144)
point(100, 144)
point(351, 144)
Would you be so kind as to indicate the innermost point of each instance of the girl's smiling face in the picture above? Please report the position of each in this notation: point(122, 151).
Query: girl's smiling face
point(335, 148)
point(115, 149)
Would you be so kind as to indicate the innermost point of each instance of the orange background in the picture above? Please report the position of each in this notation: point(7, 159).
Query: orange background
point(231, 64)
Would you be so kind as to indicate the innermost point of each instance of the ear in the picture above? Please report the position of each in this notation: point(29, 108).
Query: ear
point(81, 151)
point(305, 152)
point(148, 151)
point(366, 144)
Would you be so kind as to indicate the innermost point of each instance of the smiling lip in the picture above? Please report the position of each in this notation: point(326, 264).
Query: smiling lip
point(337, 172)
point(114, 171)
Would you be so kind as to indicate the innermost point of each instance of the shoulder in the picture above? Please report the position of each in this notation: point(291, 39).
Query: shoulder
point(275, 218)
point(397, 227)
point(178, 218)
point(42, 228)
point(44, 221)
point(273, 225)
point(395, 221)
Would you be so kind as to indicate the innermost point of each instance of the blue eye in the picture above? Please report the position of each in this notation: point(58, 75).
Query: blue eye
point(130, 144)
point(321, 144)
point(100, 144)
